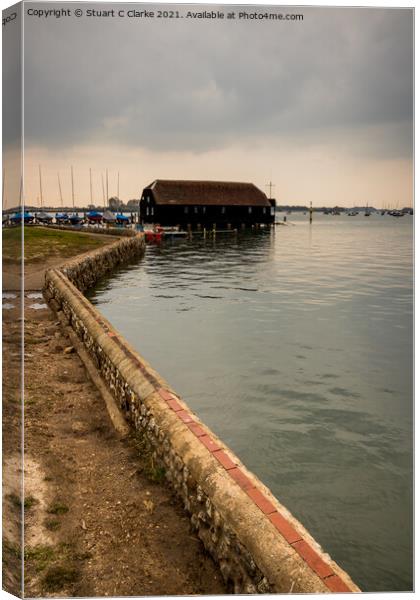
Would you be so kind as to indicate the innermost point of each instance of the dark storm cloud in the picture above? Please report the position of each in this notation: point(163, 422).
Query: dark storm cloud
point(199, 85)
point(12, 78)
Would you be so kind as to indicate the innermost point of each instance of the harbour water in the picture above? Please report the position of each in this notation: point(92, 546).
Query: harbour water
point(295, 347)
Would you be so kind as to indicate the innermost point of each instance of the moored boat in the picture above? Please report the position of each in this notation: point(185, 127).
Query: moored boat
point(26, 217)
point(76, 219)
point(44, 218)
point(122, 219)
point(155, 234)
point(108, 217)
point(62, 218)
point(94, 216)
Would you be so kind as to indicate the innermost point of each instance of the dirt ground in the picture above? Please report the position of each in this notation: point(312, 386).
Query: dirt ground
point(99, 520)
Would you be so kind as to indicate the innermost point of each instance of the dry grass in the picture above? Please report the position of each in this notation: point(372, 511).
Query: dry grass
point(41, 243)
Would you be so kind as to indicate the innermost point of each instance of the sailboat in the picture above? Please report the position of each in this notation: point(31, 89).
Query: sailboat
point(94, 216)
point(108, 217)
point(76, 219)
point(44, 218)
point(122, 219)
point(396, 212)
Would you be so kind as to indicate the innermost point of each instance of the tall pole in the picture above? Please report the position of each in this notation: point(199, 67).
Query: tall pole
point(270, 186)
point(107, 196)
point(59, 187)
point(103, 189)
point(40, 184)
point(90, 180)
point(72, 186)
point(118, 186)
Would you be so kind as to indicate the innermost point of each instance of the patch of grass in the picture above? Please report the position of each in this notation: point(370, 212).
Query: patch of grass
point(11, 549)
point(52, 524)
point(41, 243)
point(40, 556)
point(15, 500)
point(60, 565)
point(157, 474)
point(29, 502)
point(58, 508)
point(58, 576)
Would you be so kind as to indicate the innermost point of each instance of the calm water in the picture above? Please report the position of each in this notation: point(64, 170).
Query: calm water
point(295, 347)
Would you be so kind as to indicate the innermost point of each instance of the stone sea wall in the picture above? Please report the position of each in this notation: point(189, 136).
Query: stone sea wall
point(259, 546)
point(85, 270)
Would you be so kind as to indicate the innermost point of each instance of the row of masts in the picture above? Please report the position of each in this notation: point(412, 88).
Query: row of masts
point(104, 196)
point(270, 185)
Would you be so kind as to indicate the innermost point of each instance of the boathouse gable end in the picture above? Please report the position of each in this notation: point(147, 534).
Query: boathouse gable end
point(204, 204)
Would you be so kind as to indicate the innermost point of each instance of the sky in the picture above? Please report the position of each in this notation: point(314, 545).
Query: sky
point(322, 107)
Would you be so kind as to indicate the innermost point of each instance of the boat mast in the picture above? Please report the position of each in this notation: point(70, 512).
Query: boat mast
point(103, 189)
point(72, 186)
point(107, 197)
point(21, 193)
point(2, 189)
point(40, 185)
point(90, 181)
point(59, 187)
point(270, 185)
point(118, 186)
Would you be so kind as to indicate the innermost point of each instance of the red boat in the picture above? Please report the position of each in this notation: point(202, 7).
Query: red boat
point(154, 235)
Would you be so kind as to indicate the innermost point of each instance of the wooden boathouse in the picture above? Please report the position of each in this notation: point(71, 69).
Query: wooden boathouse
point(196, 204)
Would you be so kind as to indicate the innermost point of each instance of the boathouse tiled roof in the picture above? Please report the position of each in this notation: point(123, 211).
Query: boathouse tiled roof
point(223, 193)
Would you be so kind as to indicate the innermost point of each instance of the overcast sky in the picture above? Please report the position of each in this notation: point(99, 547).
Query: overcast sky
point(322, 107)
